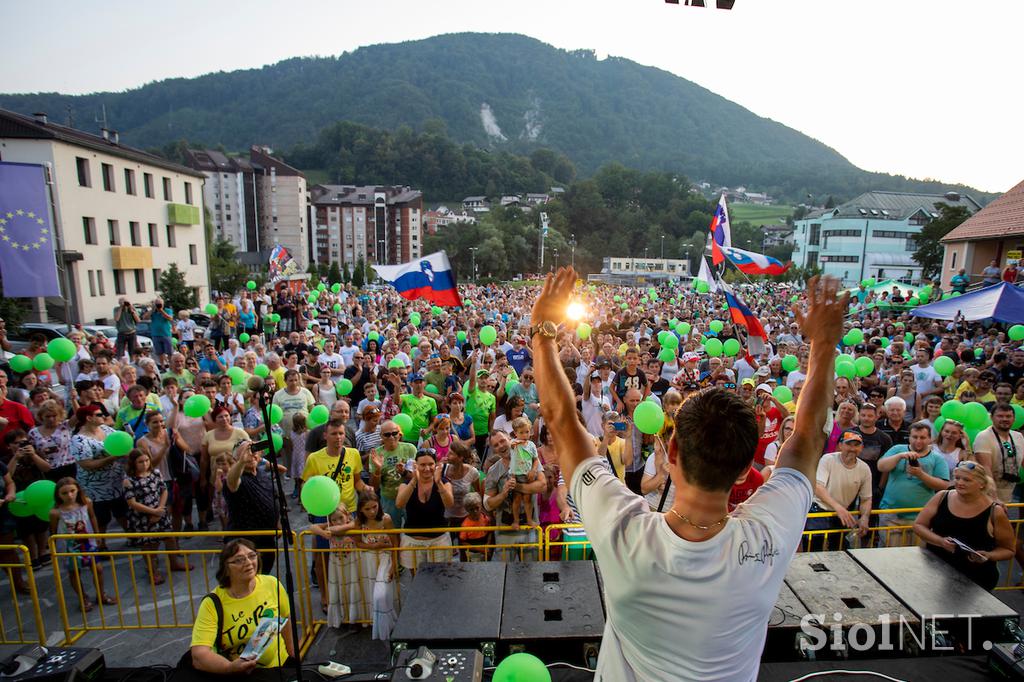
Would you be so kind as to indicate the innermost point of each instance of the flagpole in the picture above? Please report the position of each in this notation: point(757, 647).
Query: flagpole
point(58, 235)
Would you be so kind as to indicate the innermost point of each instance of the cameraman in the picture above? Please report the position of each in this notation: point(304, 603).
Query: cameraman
point(126, 319)
point(161, 319)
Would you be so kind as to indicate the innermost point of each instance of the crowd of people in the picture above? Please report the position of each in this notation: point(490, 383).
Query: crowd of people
point(428, 425)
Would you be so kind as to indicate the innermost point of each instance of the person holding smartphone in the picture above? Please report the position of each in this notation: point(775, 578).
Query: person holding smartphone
point(916, 472)
point(614, 447)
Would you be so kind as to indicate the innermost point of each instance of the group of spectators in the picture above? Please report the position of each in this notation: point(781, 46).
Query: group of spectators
point(433, 432)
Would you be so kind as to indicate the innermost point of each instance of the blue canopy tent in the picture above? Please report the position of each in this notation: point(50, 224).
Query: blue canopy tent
point(1000, 302)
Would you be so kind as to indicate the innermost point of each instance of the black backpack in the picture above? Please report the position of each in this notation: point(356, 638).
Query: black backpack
point(185, 662)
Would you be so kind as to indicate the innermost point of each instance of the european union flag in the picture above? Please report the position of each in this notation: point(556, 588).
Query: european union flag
point(27, 262)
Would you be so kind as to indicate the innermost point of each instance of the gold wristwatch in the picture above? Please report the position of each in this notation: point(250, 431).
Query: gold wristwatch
point(547, 329)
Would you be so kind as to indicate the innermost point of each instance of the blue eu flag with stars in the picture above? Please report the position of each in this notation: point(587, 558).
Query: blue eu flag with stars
point(27, 263)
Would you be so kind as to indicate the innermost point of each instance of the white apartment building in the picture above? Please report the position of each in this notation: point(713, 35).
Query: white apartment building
point(124, 215)
point(380, 224)
point(282, 203)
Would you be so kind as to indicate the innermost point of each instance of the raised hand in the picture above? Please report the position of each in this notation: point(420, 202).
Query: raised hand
point(554, 298)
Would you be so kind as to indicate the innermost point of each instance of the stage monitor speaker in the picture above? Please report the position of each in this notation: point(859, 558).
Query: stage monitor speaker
point(447, 665)
point(1006, 661)
point(53, 664)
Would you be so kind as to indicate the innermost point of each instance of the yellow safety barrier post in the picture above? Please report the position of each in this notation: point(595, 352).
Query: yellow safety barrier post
point(84, 574)
point(24, 633)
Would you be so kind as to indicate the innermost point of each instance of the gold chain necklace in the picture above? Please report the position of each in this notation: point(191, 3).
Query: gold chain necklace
point(697, 525)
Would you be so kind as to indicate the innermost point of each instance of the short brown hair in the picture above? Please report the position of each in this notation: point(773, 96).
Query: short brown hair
point(229, 551)
point(712, 457)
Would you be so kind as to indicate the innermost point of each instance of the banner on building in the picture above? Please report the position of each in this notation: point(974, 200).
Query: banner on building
point(282, 264)
point(27, 257)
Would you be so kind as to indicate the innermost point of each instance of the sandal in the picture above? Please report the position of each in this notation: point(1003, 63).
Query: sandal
point(87, 606)
point(108, 600)
point(181, 567)
point(158, 579)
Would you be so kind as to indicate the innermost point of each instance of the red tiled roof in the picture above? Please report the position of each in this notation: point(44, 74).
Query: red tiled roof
point(1004, 217)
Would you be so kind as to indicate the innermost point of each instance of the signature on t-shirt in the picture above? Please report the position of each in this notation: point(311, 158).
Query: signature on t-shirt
point(764, 555)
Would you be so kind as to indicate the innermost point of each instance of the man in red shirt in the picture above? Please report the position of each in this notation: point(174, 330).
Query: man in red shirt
point(13, 415)
point(770, 415)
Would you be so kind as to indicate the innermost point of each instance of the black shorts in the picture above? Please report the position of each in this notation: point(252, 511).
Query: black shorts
point(108, 509)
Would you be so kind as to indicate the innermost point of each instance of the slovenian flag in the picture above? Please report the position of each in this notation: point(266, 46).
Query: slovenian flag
point(430, 278)
point(755, 263)
point(743, 317)
point(721, 235)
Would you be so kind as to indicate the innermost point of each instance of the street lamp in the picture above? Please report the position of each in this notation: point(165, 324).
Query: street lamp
point(662, 247)
point(472, 253)
point(556, 258)
point(572, 243)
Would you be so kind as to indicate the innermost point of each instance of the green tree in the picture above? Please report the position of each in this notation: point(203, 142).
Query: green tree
point(359, 274)
point(929, 246)
point(314, 274)
point(226, 273)
point(175, 291)
point(346, 276)
point(333, 273)
point(13, 310)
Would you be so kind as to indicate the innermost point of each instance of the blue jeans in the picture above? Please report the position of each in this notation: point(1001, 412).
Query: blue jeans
point(397, 515)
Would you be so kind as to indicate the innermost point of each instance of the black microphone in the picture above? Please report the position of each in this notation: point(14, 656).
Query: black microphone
point(256, 384)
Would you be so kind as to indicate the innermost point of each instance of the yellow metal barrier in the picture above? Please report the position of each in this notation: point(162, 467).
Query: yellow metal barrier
point(28, 627)
point(119, 589)
point(349, 572)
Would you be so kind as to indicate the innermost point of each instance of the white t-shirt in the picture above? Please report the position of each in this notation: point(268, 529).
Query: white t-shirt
point(654, 497)
point(334, 361)
point(187, 329)
point(347, 352)
point(926, 377)
point(714, 597)
point(594, 408)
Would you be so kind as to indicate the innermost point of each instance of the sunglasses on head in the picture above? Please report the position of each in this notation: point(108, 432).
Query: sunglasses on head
point(967, 465)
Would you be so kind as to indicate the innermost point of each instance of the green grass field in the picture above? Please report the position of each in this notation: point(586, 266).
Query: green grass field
point(759, 215)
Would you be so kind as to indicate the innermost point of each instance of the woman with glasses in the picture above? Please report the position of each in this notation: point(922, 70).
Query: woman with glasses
point(243, 594)
point(967, 527)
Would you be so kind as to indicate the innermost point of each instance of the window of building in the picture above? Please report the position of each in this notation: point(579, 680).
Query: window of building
point(135, 233)
point(815, 239)
point(84, 177)
point(92, 283)
point(919, 218)
point(147, 184)
point(193, 256)
point(812, 259)
point(188, 193)
point(119, 282)
point(115, 232)
point(140, 281)
point(228, 217)
point(156, 279)
point(99, 283)
point(952, 264)
point(842, 233)
point(108, 177)
point(167, 189)
point(840, 259)
point(888, 234)
point(911, 244)
point(129, 181)
point(153, 237)
point(89, 228)
point(170, 236)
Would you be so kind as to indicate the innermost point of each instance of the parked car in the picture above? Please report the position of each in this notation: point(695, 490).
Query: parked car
point(20, 340)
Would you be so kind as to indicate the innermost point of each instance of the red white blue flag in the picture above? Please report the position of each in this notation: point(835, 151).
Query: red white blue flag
point(754, 263)
point(430, 278)
point(721, 234)
point(742, 316)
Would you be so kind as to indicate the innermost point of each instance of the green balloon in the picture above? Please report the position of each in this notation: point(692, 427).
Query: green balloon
point(335, 288)
point(713, 347)
point(414, 340)
point(731, 347)
point(914, 301)
point(1016, 332)
point(19, 507)
point(415, 319)
point(250, 285)
point(237, 375)
point(197, 406)
point(649, 417)
point(521, 667)
point(583, 331)
point(885, 342)
point(624, 306)
point(42, 362)
point(276, 414)
point(61, 349)
point(783, 394)
point(976, 416)
point(953, 409)
point(617, 298)
point(21, 364)
point(670, 341)
point(667, 355)
point(944, 366)
point(396, 363)
point(211, 308)
point(119, 443)
point(404, 422)
point(431, 388)
point(314, 313)
point(979, 352)
point(261, 370)
point(1018, 418)
point(488, 335)
point(320, 496)
point(846, 370)
point(319, 415)
point(854, 336)
point(275, 318)
point(683, 328)
point(702, 286)
point(39, 496)
point(344, 386)
point(790, 363)
point(461, 336)
point(864, 366)
point(436, 310)
point(244, 337)
point(908, 337)
point(336, 307)
point(278, 440)
point(717, 326)
point(321, 287)
point(373, 336)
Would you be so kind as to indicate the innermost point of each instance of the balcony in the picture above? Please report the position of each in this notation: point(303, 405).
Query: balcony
point(131, 257)
point(183, 214)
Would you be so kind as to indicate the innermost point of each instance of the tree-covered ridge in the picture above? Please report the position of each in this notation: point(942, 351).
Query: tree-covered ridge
point(532, 96)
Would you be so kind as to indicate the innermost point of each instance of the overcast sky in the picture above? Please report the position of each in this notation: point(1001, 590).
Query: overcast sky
point(927, 88)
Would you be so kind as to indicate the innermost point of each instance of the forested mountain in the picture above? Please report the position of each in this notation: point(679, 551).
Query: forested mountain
point(500, 92)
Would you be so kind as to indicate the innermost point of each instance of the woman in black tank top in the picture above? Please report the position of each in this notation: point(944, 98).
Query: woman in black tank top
point(425, 497)
point(967, 517)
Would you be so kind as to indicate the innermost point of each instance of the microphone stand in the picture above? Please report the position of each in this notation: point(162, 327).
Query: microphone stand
point(281, 502)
